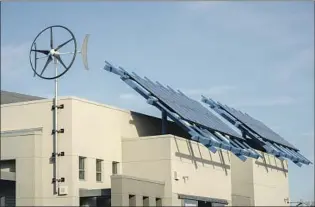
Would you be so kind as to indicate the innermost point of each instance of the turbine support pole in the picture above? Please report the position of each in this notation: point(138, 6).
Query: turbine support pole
point(55, 146)
point(54, 55)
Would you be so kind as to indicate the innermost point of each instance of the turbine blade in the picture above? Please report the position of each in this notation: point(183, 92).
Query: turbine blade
point(51, 39)
point(49, 59)
point(63, 44)
point(46, 52)
point(59, 59)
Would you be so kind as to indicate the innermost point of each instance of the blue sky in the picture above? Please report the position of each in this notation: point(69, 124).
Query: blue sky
point(256, 56)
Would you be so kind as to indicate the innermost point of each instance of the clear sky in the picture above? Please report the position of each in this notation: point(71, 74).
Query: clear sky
point(256, 56)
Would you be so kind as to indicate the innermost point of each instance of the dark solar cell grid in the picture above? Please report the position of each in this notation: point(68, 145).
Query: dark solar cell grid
point(258, 127)
point(187, 108)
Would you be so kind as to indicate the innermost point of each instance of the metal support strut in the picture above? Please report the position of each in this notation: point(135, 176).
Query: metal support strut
point(164, 122)
point(203, 136)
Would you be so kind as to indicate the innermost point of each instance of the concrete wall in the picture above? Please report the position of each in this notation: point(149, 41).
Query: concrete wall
point(96, 131)
point(242, 182)
point(102, 128)
point(30, 144)
point(96, 135)
point(271, 183)
point(123, 186)
point(159, 157)
point(262, 182)
point(92, 130)
point(200, 172)
point(149, 158)
point(25, 149)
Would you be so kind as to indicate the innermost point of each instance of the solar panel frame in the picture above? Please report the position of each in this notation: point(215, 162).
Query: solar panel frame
point(261, 129)
point(195, 132)
point(201, 115)
point(212, 139)
point(280, 151)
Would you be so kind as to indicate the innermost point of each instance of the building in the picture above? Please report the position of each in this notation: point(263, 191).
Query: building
point(109, 156)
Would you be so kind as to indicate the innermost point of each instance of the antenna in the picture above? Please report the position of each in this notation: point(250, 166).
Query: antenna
point(54, 54)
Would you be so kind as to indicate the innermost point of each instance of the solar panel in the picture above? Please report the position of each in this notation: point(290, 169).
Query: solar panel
point(203, 126)
point(276, 146)
point(187, 113)
point(257, 126)
point(187, 108)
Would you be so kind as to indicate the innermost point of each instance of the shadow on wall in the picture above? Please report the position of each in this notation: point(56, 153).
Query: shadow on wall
point(272, 166)
point(152, 126)
point(196, 157)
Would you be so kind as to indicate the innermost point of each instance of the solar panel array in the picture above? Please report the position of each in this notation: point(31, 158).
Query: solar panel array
point(261, 129)
point(187, 108)
point(246, 123)
point(200, 123)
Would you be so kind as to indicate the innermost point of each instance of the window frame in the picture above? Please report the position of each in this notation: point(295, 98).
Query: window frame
point(132, 200)
point(158, 201)
point(115, 167)
point(83, 169)
point(145, 201)
point(99, 171)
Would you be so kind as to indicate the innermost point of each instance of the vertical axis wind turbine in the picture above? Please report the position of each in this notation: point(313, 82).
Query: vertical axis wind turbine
point(54, 54)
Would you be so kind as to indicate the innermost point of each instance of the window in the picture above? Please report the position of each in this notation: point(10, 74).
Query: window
point(81, 168)
point(7, 165)
point(99, 170)
point(158, 201)
point(145, 201)
point(115, 167)
point(132, 200)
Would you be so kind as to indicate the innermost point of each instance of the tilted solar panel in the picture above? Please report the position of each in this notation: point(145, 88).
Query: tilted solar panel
point(187, 108)
point(257, 126)
point(268, 139)
point(203, 126)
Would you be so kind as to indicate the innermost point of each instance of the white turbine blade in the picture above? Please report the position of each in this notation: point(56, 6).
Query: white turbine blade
point(84, 51)
point(66, 53)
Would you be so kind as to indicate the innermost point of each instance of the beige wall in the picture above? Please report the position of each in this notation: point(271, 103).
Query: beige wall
point(33, 153)
point(262, 182)
point(96, 131)
point(271, 184)
point(208, 174)
point(33, 170)
point(151, 160)
point(96, 135)
point(25, 149)
point(158, 158)
point(123, 186)
point(101, 128)
point(92, 130)
point(242, 182)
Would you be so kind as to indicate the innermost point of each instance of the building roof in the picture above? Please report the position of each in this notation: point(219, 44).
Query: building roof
point(13, 97)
